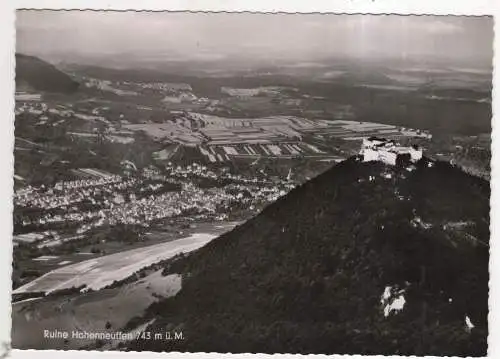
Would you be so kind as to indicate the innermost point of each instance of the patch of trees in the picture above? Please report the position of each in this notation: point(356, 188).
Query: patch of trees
point(141, 273)
point(69, 291)
point(22, 296)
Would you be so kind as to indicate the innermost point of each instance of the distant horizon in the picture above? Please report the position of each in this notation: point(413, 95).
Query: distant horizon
point(145, 39)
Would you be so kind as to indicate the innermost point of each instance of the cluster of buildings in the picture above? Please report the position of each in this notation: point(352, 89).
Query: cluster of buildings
point(149, 209)
point(111, 207)
point(191, 170)
point(91, 203)
point(34, 108)
point(256, 91)
point(203, 172)
point(179, 98)
point(163, 86)
point(241, 189)
point(106, 85)
point(388, 151)
point(65, 193)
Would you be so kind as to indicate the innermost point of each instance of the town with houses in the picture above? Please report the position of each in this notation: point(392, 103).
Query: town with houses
point(87, 204)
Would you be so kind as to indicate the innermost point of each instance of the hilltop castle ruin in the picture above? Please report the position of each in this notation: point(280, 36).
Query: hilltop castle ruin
point(388, 151)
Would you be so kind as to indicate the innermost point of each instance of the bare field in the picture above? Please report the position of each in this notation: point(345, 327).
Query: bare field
point(100, 272)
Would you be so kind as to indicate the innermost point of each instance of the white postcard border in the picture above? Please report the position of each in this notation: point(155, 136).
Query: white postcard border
point(7, 40)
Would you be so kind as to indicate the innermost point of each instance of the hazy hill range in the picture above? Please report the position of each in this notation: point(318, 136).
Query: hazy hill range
point(36, 74)
point(364, 259)
point(381, 95)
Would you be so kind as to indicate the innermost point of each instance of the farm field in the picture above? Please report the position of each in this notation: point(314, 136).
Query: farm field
point(219, 139)
point(195, 128)
point(100, 272)
point(222, 153)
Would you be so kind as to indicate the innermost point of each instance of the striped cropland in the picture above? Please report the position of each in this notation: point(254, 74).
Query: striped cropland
point(192, 128)
point(220, 139)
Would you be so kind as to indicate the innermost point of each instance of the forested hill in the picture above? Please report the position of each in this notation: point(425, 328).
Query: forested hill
point(365, 258)
point(39, 75)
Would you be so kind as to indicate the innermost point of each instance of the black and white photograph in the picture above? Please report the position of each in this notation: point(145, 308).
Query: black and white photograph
point(252, 182)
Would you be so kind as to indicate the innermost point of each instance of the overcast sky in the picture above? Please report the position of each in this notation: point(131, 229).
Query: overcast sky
point(181, 36)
